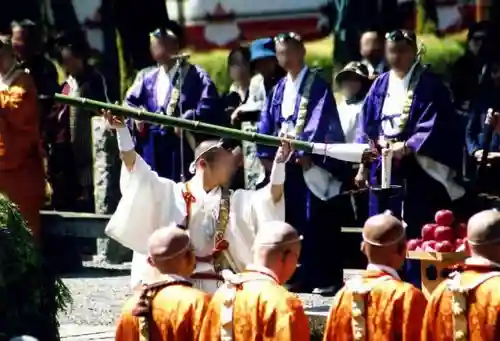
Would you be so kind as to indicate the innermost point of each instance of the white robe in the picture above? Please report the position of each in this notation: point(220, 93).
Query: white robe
point(149, 202)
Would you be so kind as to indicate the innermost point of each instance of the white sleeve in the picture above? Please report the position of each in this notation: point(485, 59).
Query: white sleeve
point(148, 201)
point(249, 210)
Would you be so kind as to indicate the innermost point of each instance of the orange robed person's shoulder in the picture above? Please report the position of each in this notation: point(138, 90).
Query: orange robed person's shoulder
point(177, 311)
point(22, 175)
point(393, 308)
point(262, 309)
point(467, 304)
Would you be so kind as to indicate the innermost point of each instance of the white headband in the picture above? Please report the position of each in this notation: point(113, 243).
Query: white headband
point(192, 166)
point(486, 242)
point(184, 249)
point(265, 244)
point(395, 241)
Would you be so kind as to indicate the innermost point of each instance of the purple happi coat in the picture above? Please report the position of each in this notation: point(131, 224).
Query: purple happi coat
point(305, 211)
point(432, 130)
point(160, 146)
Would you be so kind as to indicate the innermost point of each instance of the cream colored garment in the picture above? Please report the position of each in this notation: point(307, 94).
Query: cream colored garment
point(256, 94)
point(10, 76)
point(163, 84)
point(350, 115)
point(319, 181)
point(393, 104)
point(149, 202)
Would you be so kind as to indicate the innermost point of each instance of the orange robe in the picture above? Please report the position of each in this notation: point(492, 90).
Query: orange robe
point(22, 176)
point(177, 315)
point(481, 316)
point(392, 310)
point(262, 310)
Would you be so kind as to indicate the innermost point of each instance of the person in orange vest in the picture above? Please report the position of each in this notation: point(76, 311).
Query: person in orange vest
point(22, 176)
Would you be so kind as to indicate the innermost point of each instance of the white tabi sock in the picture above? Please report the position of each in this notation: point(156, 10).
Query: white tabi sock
point(125, 141)
point(278, 173)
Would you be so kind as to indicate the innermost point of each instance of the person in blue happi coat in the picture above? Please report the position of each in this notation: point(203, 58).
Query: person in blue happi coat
point(175, 89)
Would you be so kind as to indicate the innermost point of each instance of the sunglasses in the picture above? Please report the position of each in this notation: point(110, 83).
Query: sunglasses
point(478, 38)
point(400, 35)
point(162, 33)
point(289, 36)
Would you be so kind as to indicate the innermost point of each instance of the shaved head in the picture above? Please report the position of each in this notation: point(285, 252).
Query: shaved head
point(483, 235)
point(484, 228)
point(168, 242)
point(275, 235)
point(383, 230)
point(277, 247)
point(384, 240)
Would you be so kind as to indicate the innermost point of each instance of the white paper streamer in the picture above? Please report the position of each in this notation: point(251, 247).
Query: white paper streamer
point(350, 152)
point(386, 168)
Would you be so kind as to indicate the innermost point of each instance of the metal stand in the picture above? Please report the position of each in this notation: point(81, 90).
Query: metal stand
point(384, 196)
point(180, 62)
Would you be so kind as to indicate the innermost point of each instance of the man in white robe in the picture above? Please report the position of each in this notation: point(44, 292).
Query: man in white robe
point(222, 224)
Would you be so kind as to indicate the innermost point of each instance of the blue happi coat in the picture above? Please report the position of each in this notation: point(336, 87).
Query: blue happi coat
point(435, 137)
point(310, 215)
point(160, 146)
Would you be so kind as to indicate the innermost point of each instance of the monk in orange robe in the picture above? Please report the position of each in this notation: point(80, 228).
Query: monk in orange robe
point(467, 305)
point(170, 308)
point(22, 176)
point(378, 305)
point(253, 305)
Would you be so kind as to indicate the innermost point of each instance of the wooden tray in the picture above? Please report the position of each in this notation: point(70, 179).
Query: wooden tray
point(442, 257)
point(433, 267)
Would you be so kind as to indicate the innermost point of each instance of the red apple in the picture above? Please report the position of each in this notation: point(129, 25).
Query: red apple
point(459, 242)
point(442, 233)
point(428, 231)
point(429, 245)
point(413, 244)
point(444, 246)
point(462, 231)
point(444, 217)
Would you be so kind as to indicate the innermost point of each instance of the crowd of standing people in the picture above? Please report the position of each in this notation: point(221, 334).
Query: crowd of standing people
point(437, 134)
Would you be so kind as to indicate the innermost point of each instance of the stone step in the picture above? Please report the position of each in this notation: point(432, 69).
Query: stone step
point(77, 332)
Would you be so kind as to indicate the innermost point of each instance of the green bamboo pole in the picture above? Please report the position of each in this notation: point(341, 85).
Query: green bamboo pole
point(195, 126)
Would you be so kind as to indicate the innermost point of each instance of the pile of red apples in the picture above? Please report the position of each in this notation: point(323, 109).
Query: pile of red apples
point(445, 235)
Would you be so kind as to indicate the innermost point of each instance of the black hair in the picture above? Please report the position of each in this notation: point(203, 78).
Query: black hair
point(482, 26)
point(240, 50)
point(176, 29)
point(77, 47)
point(33, 35)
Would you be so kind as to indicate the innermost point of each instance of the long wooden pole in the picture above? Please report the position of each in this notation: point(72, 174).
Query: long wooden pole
point(195, 126)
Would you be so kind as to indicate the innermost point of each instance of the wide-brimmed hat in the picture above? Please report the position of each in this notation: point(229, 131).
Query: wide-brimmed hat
point(262, 48)
point(356, 69)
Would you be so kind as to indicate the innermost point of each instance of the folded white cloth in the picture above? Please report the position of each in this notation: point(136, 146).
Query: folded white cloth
point(321, 183)
point(350, 152)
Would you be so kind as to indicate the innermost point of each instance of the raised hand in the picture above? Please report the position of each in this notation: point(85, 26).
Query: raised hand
point(114, 122)
point(284, 152)
point(369, 155)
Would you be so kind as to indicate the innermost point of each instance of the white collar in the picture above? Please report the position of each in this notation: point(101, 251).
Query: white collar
point(300, 77)
point(479, 260)
point(263, 270)
point(196, 186)
point(170, 73)
point(383, 268)
point(406, 79)
point(167, 277)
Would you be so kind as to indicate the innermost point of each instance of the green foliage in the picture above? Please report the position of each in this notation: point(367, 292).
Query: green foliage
point(440, 53)
point(424, 24)
point(30, 295)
